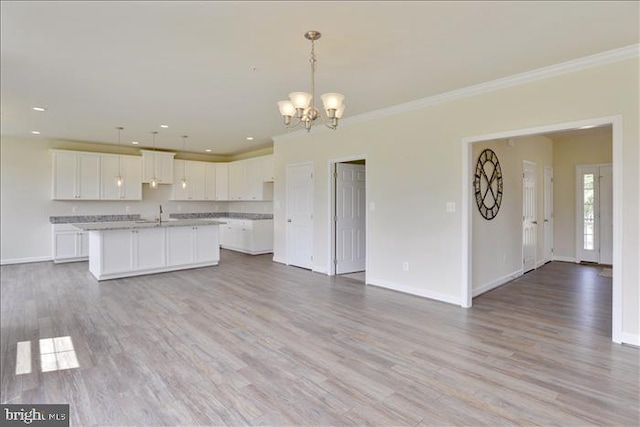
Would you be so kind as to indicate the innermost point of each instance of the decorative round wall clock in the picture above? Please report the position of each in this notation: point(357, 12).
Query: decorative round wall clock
point(487, 184)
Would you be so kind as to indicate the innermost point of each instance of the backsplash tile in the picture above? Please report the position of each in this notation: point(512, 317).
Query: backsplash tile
point(239, 215)
point(92, 218)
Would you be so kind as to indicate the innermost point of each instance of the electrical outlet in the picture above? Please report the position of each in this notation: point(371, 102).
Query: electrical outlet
point(127, 208)
point(179, 208)
point(74, 209)
point(372, 206)
point(405, 266)
point(451, 207)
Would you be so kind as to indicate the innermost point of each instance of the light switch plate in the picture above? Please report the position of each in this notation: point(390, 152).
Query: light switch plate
point(372, 206)
point(451, 207)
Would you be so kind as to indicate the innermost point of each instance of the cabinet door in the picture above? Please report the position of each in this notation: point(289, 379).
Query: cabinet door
point(149, 251)
point(165, 168)
point(178, 192)
point(64, 245)
point(206, 243)
point(179, 245)
point(117, 251)
point(82, 244)
point(64, 176)
point(89, 176)
point(222, 181)
point(148, 166)
point(132, 188)
point(109, 169)
point(237, 181)
point(210, 181)
point(267, 169)
point(196, 172)
point(254, 179)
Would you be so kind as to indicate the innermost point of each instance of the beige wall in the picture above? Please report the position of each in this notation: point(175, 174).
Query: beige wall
point(26, 203)
point(414, 167)
point(568, 152)
point(497, 243)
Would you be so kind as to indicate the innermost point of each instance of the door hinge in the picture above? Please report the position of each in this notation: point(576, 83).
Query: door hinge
point(335, 262)
point(311, 216)
point(311, 257)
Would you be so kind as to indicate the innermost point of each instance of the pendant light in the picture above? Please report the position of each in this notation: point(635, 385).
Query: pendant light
point(119, 180)
point(153, 182)
point(183, 181)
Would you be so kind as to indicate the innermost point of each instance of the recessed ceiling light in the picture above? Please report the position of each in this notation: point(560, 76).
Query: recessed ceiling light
point(208, 150)
point(249, 138)
point(38, 108)
point(35, 132)
point(135, 142)
point(164, 126)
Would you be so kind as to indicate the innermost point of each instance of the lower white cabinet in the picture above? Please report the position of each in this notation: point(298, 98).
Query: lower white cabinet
point(131, 252)
point(249, 236)
point(188, 245)
point(69, 244)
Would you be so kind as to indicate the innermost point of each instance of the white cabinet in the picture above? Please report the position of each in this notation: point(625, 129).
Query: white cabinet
point(189, 245)
point(222, 181)
point(248, 236)
point(129, 168)
point(247, 179)
point(268, 169)
point(129, 250)
point(158, 163)
point(194, 173)
point(145, 250)
point(210, 181)
point(69, 244)
point(76, 176)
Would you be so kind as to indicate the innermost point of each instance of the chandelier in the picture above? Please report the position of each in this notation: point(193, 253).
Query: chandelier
point(301, 104)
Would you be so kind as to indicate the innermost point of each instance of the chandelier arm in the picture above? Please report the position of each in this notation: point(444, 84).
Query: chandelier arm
point(313, 73)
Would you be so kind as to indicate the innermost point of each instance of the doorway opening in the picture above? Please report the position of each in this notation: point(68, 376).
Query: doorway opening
point(614, 124)
point(348, 217)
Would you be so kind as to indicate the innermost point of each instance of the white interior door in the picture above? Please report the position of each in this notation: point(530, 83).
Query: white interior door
point(350, 218)
point(529, 221)
point(606, 214)
point(300, 215)
point(548, 214)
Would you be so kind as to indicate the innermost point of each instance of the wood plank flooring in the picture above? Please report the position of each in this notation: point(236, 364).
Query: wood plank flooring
point(252, 342)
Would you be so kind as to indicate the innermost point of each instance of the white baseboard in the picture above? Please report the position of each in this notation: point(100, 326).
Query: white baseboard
point(631, 339)
point(565, 258)
point(414, 291)
point(279, 260)
point(495, 283)
point(320, 269)
point(25, 260)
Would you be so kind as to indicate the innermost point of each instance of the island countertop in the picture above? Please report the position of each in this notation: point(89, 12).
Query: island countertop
point(125, 225)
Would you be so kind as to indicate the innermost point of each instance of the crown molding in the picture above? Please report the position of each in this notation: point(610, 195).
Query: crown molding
point(579, 64)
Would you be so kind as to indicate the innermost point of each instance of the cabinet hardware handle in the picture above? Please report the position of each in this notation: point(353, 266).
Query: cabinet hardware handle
point(534, 222)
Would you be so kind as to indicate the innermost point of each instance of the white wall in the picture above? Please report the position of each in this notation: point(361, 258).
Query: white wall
point(569, 151)
point(497, 244)
point(414, 167)
point(26, 203)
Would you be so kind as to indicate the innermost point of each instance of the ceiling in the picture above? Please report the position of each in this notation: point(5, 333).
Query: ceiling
point(215, 70)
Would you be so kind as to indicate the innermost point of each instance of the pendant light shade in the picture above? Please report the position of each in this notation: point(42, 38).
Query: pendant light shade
point(153, 182)
point(183, 181)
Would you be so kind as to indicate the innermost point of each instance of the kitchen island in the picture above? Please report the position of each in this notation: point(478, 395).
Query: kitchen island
point(133, 248)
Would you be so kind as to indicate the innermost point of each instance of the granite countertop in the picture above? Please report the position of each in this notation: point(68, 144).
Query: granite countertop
point(211, 215)
point(124, 225)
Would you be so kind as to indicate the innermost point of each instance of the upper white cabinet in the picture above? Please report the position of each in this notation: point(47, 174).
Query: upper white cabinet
point(157, 163)
point(76, 175)
point(92, 176)
point(129, 168)
point(247, 179)
point(222, 181)
point(203, 182)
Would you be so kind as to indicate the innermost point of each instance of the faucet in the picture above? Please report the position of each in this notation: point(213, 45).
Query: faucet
point(160, 214)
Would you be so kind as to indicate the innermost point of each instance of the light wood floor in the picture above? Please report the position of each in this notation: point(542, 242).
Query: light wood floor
point(252, 342)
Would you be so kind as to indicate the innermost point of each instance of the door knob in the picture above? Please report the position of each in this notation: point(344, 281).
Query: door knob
point(534, 222)
point(288, 220)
